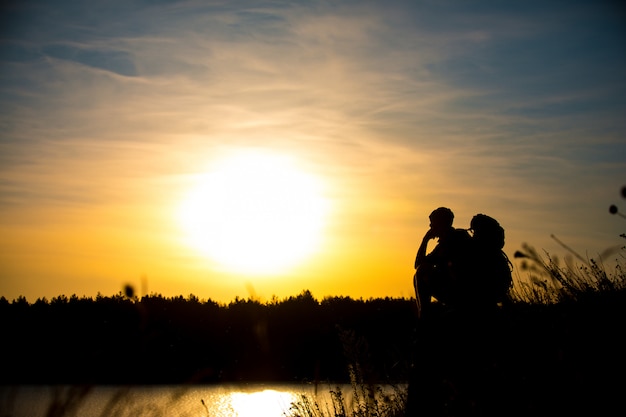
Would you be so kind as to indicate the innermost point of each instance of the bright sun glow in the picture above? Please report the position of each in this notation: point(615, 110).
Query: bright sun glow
point(255, 213)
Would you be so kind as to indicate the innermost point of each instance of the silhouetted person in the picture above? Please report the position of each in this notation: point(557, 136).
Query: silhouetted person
point(440, 273)
point(456, 355)
point(437, 274)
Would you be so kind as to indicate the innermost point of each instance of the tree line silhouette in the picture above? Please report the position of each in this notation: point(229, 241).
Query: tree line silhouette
point(157, 339)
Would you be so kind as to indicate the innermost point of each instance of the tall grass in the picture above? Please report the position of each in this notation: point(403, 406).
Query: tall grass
point(550, 282)
point(364, 400)
point(581, 277)
point(367, 396)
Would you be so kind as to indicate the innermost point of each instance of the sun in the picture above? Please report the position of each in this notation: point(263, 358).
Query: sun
point(255, 213)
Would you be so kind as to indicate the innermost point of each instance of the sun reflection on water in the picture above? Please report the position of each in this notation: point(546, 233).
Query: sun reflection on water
point(266, 403)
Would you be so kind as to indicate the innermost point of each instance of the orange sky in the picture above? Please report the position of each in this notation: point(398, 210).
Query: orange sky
point(111, 116)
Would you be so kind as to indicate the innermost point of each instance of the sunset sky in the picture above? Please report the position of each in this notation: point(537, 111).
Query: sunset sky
point(114, 115)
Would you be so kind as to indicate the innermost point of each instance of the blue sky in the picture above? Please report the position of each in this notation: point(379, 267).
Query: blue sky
point(514, 109)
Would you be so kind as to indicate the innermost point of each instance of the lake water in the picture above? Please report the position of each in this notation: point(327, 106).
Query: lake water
point(245, 400)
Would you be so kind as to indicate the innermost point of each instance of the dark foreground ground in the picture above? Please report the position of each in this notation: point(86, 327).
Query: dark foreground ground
point(527, 359)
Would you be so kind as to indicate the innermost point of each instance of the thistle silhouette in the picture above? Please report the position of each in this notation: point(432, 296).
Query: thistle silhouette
point(613, 208)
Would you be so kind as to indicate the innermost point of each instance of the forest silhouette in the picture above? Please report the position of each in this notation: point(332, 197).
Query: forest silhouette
point(157, 339)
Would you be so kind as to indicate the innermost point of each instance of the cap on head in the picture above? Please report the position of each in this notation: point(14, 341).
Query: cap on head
point(442, 216)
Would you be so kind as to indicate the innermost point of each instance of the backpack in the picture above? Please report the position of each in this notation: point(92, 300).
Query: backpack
point(487, 231)
point(492, 268)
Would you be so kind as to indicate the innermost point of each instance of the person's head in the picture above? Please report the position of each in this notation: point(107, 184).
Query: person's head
point(441, 220)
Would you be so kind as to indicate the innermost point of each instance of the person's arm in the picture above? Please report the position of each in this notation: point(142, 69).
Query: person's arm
point(421, 252)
